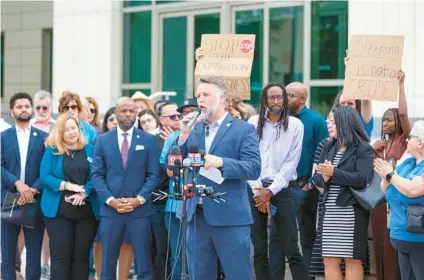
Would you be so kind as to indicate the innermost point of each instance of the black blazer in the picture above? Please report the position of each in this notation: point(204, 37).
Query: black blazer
point(354, 170)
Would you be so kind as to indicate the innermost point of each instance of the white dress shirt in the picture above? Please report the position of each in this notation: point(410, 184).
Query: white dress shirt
point(23, 136)
point(121, 136)
point(213, 130)
point(120, 141)
point(280, 152)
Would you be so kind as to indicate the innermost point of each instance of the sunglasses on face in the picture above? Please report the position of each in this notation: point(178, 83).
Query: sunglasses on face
point(93, 111)
point(44, 108)
point(111, 118)
point(175, 117)
point(71, 107)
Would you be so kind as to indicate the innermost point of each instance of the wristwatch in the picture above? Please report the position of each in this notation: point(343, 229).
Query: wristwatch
point(141, 199)
point(389, 176)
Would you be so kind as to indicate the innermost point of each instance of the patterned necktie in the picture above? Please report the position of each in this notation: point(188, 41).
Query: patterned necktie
point(124, 149)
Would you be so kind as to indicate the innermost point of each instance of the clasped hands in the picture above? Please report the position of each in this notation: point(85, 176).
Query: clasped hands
point(26, 193)
point(263, 199)
point(124, 205)
point(326, 170)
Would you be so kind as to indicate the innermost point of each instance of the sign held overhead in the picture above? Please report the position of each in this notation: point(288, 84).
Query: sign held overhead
point(229, 57)
point(371, 72)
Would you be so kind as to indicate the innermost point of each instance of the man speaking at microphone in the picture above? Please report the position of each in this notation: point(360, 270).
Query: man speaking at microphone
point(220, 230)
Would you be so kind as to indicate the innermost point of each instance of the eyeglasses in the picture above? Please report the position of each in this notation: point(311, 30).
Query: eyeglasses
point(93, 111)
point(111, 118)
point(38, 108)
point(175, 117)
point(278, 98)
point(71, 107)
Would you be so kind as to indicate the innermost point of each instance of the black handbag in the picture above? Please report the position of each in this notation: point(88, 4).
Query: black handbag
point(415, 218)
point(372, 195)
point(21, 215)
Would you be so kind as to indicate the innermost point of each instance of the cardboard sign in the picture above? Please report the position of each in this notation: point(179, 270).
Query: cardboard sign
point(371, 71)
point(229, 57)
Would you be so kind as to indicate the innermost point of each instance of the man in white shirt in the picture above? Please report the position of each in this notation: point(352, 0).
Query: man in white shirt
point(280, 142)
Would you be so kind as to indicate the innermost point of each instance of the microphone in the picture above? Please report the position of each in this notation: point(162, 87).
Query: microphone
point(175, 161)
point(196, 113)
point(195, 157)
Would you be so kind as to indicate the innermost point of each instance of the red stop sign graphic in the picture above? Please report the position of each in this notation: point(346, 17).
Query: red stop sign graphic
point(246, 45)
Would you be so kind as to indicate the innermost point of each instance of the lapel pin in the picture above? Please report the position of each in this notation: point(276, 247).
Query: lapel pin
point(228, 124)
point(138, 136)
point(35, 133)
point(89, 159)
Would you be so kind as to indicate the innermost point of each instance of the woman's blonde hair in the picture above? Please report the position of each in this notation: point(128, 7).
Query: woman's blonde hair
point(55, 138)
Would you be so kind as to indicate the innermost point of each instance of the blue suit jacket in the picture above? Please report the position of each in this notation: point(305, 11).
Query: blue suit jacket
point(51, 176)
point(11, 160)
point(237, 143)
point(140, 177)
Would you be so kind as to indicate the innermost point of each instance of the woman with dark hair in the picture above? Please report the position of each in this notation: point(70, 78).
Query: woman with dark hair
point(109, 121)
point(345, 162)
point(148, 121)
point(363, 107)
point(391, 147)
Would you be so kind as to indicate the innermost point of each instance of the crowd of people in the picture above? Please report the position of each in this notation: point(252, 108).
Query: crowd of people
point(287, 167)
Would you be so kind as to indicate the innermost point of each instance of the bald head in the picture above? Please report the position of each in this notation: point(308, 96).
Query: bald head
point(298, 94)
point(298, 89)
point(126, 113)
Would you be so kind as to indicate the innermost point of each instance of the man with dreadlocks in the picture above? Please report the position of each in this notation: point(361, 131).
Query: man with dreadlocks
point(280, 142)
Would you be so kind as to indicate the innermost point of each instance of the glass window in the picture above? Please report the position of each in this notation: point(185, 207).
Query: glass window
point(252, 22)
point(286, 45)
point(322, 98)
point(204, 24)
point(2, 66)
point(158, 2)
point(328, 39)
point(133, 3)
point(174, 63)
point(130, 92)
point(137, 47)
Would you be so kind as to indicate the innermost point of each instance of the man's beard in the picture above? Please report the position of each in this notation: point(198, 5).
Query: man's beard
point(275, 110)
point(293, 111)
point(209, 112)
point(43, 117)
point(21, 118)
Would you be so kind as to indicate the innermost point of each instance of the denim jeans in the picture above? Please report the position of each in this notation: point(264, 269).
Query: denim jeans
point(161, 241)
point(172, 224)
point(411, 259)
point(286, 229)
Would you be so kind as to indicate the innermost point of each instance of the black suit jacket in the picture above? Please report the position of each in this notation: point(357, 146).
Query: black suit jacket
point(354, 170)
point(163, 178)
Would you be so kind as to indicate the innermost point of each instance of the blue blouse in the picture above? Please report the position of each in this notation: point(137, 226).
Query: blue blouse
point(399, 203)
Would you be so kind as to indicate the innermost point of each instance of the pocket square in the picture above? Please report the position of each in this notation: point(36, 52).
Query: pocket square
point(139, 147)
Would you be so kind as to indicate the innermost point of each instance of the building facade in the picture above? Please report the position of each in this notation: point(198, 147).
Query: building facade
point(106, 49)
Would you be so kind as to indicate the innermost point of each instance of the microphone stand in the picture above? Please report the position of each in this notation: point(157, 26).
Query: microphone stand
point(183, 196)
point(184, 272)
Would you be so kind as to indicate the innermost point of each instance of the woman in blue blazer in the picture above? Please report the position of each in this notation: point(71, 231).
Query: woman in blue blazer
point(69, 202)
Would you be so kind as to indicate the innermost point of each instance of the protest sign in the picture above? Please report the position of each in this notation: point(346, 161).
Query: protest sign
point(229, 57)
point(371, 71)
